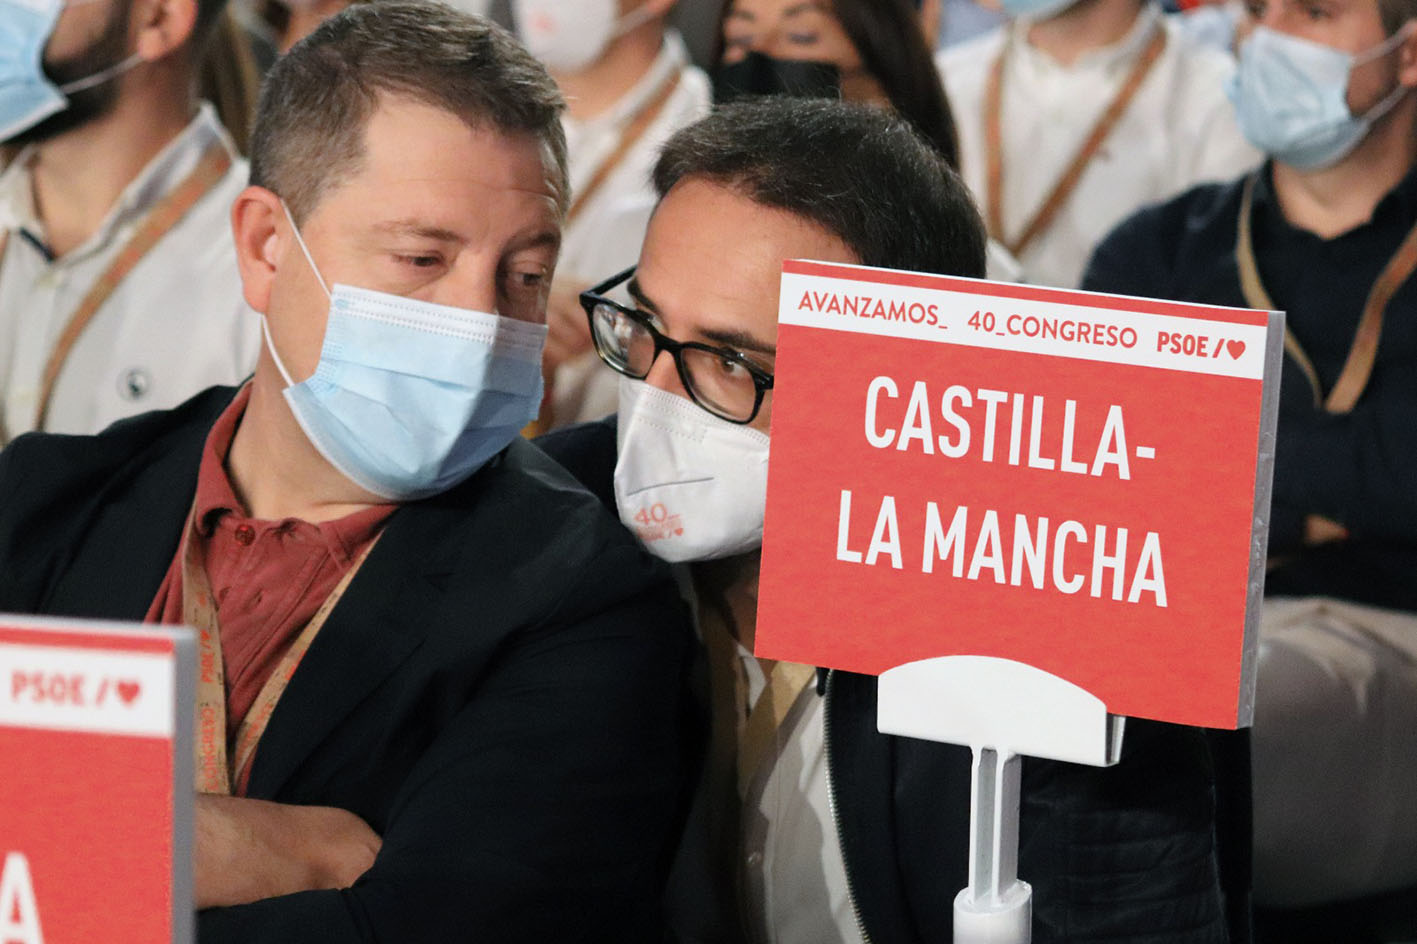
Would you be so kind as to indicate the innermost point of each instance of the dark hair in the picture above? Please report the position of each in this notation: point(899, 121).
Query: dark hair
point(208, 13)
point(317, 98)
point(891, 43)
point(1395, 13)
point(857, 171)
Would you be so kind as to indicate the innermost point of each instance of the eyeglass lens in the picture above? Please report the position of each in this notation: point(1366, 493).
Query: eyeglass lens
point(720, 384)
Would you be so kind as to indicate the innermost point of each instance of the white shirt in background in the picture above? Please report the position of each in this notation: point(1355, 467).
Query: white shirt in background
point(1178, 131)
point(605, 236)
point(175, 325)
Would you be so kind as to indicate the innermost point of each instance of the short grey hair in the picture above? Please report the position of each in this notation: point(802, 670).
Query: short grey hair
point(317, 99)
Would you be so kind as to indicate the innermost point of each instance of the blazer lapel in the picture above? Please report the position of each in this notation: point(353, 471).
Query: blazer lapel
point(382, 619)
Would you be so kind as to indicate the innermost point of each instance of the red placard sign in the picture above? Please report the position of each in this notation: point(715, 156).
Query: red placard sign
point(1075, 481)
point(96, 792)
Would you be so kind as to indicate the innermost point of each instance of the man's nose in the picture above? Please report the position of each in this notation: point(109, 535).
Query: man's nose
point(470, 282)
point(664, 375)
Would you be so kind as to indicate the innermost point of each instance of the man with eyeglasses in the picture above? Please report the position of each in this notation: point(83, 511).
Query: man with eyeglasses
point(808, 824)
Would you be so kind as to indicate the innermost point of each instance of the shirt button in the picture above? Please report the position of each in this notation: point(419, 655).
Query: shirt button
point(755, 859)
point(245, 534)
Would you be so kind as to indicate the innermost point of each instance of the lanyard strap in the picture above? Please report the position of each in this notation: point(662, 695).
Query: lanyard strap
point(159, 220)
point(631, 136)
point(760, 734)
point(1363, 351)
point(215, 773)
point(1067, 183)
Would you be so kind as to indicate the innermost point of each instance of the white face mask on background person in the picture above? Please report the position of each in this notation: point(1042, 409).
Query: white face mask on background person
point(690, 486)
point(569, 35)
point(1291, 97)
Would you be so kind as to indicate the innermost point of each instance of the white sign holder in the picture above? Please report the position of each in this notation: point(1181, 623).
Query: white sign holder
point(1004, 710)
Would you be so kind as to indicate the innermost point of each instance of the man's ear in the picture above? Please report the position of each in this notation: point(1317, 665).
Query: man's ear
point(1407, 55)
point(162, 27)
point(255, 225)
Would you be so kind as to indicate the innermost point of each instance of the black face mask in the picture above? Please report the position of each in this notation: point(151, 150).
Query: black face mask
point(757, 74)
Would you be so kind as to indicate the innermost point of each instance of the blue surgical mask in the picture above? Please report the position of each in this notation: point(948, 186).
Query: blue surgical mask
point(27, 96)
point(410, 398)
point(1291, 97)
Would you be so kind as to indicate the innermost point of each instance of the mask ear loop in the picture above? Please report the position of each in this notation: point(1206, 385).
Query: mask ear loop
point(265, 322)
point(300, 241)
point(1385, 48)
point(101, 76)
point(633, 20)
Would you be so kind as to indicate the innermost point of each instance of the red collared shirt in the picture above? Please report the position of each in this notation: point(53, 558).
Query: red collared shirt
point(268, 577)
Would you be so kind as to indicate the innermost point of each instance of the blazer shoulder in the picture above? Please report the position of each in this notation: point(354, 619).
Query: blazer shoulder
point(1149, 250)
point(53, 485)
point(553, 527)
point(588, 452)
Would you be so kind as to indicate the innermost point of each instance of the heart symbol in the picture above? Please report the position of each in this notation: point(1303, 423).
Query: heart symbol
point(678, 531)
point(129, 691)
point(1236, 348)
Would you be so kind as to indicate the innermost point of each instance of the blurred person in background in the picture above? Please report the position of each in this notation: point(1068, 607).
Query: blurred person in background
point(869, 51)
point(1078, 113)
point(230, 77)
point(629, 85)
point(114, 216)
point(1326, 231)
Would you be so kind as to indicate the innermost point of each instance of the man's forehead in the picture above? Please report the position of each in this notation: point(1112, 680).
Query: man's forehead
point(411, 140)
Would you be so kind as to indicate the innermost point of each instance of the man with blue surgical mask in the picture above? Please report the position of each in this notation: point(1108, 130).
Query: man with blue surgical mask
point(810, 827)
point(1076, 114)
point(1326, 230)
point(113, 215)
point(440, 685)
point(629, 84)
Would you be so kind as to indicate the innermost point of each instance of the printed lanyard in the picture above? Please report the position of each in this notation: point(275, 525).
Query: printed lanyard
point(159, 220)
point(1363, 352)
point(631, 136)
point(215, 774)
point(1067, 183)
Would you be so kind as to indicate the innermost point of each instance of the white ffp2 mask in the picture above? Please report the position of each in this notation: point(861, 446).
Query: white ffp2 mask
point(691, 486)
point(569, 35)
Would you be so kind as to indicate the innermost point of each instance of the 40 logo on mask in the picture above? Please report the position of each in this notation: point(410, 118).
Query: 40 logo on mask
point(655, 522)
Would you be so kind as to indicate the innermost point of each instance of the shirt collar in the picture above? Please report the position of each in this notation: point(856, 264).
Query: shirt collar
point(173, 163)
point(673, 56)
point(216, 497)
point(1397, 208)
point(1114, 56)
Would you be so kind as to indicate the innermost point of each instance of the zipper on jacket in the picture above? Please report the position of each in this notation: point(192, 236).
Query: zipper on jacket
point(831, 805)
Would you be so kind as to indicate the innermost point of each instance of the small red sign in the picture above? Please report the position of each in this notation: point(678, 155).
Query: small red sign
point(1070, 480)
point(95, 798)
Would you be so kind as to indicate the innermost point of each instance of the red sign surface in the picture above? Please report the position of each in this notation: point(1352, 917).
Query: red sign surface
point(1069, 480)
point(95, 800)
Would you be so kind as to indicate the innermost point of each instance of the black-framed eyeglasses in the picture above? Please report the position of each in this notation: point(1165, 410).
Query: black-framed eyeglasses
point(719, 379)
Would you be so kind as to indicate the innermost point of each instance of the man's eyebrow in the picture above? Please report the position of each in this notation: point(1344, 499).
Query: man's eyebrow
point(641, 299)
point(422, 230)
point(738, 340)
point(546, 238)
